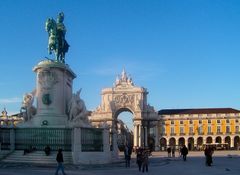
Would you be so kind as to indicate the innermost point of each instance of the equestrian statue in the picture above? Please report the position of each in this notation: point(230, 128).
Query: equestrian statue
point(56, 37)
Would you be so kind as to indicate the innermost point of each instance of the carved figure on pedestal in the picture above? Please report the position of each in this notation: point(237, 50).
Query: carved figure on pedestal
point(129, 80)
point(27, 109)
point(4, 113)
point(77, 110)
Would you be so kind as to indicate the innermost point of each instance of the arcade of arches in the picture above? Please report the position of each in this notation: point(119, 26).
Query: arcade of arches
point(158, 130)
point(198, 142)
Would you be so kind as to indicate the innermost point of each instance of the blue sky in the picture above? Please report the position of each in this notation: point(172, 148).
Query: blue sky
point(186, 53)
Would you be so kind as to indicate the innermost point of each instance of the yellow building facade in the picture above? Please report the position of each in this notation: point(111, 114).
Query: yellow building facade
point(198, 127)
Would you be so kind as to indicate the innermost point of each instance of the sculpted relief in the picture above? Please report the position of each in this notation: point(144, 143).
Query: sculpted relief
point(27, 109)
point(124, 99)
point(111, 103)
point(47, 79)
point(77, 111)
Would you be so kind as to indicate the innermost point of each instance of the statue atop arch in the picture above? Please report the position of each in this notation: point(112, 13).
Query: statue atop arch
point(123, 80)
point(56, 37)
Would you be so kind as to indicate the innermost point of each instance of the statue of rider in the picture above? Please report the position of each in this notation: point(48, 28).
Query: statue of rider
point(56, 37)
point(61, 31)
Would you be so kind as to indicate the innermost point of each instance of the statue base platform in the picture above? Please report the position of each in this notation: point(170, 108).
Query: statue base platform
point(53, 92)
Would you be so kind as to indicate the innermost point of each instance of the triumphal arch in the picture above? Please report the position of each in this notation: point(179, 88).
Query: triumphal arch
point(125, 96)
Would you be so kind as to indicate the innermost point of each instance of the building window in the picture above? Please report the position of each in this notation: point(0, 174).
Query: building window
point(172, 122)
point(163, 130)
point(237, 129)
point(209, 129)
point(181, 130)
point(191, 122)
point(218, 129)
point(227, 129)
point(181, 122)
point(172, 130)
point(218, 121)
point(227, 121)
point(209, 121)
point(191, 130)
point(200, 130)
point(236, 120)
point(200, 121)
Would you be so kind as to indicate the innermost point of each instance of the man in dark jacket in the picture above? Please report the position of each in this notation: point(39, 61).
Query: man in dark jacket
point(184, 152)
point(208, 153)
point(59, 159)
point(127, 154)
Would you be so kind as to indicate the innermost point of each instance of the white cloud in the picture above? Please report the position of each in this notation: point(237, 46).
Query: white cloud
point(10, 100)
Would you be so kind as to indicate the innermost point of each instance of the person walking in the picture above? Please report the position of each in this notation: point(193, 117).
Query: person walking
point(127, 154)
point(139, 158)
point(173, 151)
point(184, 152)
point(169, 151)
point(208, 153)
point(180, 151)
point(145, 161)
point(59, 159)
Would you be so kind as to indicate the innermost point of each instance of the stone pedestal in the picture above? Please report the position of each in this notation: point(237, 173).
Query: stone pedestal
point(90, 157)
point(53, 92)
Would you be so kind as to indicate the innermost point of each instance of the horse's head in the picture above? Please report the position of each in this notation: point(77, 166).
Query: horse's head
point(50, 25)
point(47, 24)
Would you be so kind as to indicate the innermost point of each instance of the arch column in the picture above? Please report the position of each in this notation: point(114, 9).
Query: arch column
point(156, 139)
point(140, 135)
point(135, 135)
point(145, 128)
point(138, 130)
point(204, 140)
point(177, 141)
point(232, 142)
point(195, 141)
point(213, 140)
point(186, 141)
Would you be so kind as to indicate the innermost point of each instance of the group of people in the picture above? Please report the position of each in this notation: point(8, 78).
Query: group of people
point(208, 152)
point(142, 159)
point(171, 151)
point(141, 156)
point(183, 151)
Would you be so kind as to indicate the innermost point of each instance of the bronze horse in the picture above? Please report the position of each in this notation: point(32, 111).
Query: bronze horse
point(56, 40)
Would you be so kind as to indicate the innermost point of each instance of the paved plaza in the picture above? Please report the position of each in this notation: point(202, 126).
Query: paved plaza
point(224, 163)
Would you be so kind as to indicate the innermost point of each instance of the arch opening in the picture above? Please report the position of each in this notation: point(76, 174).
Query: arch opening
point(124, 128)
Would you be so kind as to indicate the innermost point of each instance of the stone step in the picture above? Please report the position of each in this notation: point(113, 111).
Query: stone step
point(37, 157)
